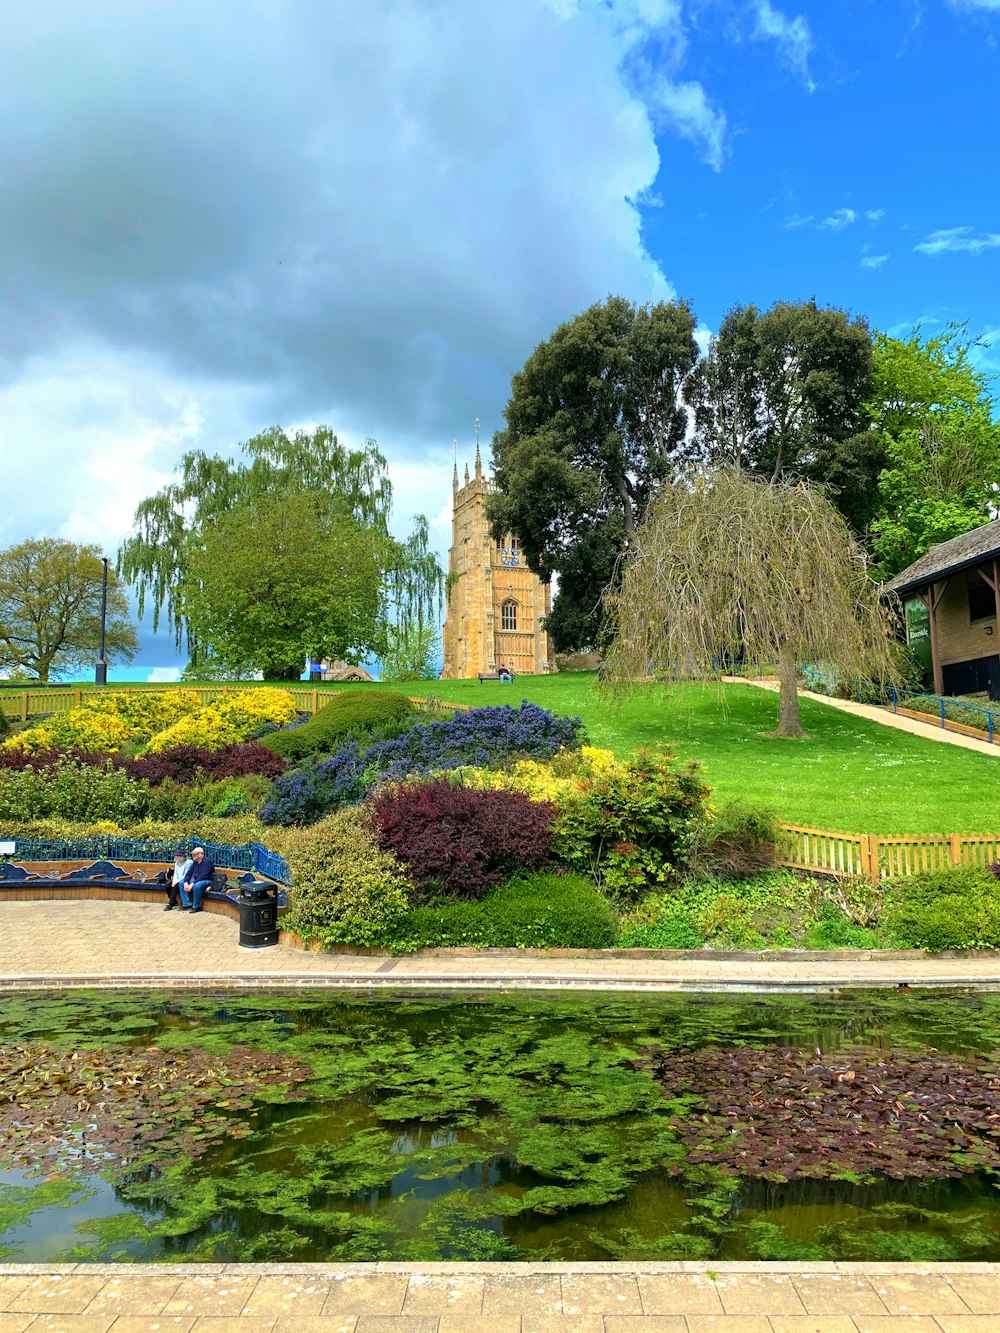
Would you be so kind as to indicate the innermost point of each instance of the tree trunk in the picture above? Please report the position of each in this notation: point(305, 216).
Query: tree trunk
point(789, 723)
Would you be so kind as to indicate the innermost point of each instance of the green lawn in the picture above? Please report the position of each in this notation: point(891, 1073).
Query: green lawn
point(853, 775)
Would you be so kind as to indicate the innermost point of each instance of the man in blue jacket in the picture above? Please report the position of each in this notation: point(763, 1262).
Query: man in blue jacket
point(199, 878)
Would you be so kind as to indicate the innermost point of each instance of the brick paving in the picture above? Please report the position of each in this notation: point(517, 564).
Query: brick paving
point(498, 1298)
point(52, 943)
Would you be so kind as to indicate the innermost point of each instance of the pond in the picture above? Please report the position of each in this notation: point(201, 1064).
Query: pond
point(352, 1127)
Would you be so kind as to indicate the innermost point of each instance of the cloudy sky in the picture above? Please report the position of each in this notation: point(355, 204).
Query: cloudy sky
point(217, 215)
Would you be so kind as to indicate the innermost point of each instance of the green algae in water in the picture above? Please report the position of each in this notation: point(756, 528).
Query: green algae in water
point(484, 1127)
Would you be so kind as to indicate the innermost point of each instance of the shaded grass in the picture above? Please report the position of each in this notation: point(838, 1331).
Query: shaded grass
point(853, 774)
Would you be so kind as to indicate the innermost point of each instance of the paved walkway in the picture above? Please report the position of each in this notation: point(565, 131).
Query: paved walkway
point(82, 943)
point(884, 716)
point(494, 1298)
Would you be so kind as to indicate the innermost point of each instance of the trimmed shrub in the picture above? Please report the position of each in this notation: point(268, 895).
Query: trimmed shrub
point(4, 725)
point(459, 843)
point(316, 788)
point(16, 761)
point(185, 763)
point(72, 790)
point(346, 888)
point(228, 719)
point(542, 911)
point(107, 721)
point(631, 830)
point(233, 831)
point(223, 798)
point(483, 737)
point(945, 909)
point(352, 713)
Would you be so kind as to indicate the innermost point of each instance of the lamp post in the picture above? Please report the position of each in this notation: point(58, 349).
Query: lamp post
point(101, 674)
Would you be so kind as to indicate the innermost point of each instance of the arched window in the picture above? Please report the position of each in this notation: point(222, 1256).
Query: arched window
point(508, 615)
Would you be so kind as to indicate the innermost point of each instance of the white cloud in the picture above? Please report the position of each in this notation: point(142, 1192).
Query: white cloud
point(798, 220)
point(989, 6)
point(958, 240)
point(791, 35)
point(873, 261)
point(874, 215)
point(164, 675)
point(376, 243)
point(839, 219)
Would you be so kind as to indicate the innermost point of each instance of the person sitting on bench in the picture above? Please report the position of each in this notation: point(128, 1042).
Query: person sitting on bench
point(505, 674)
point(172, 880)
point(197, 880)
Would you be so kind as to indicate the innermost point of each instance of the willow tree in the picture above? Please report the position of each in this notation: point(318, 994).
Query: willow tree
point(728, 566)
point(413, 633)
point(170, 525)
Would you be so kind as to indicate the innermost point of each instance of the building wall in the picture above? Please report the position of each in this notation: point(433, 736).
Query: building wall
point(483, 575)
point(961, 639)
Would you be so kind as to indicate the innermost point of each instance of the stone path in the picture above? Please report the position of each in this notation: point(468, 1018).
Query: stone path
point(496, 1298)
point(884, 716)
point(81, 943)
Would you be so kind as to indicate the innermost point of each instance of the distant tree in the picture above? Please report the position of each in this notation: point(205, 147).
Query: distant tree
point(729, 565)
point(416, 588)
point(934, 416)
point(280, 578)
point(783, 393)
point(50, 610)
point(170, 524)
point(412, 652)
point(597, 418)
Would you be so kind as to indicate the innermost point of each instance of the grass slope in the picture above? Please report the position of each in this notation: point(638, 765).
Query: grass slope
point(853, 774)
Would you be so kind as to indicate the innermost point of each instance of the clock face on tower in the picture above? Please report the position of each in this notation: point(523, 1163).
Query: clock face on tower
point(508, 555)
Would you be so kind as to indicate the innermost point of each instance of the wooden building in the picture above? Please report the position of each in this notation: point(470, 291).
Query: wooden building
point(496, 605)
point(951, 598)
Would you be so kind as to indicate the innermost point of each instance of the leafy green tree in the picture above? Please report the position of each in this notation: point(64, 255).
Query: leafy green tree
point(783, 393)
point(729, 565)
point(412, 652)
point(170, 524)
point(50, 610)
point(597, 419)
point(283, 577)
point(417, 585)
point(934, 416)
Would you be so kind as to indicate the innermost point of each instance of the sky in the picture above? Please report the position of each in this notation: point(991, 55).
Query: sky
point(220, 215)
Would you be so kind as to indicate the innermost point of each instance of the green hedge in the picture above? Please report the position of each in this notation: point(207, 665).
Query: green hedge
point(542, 911)
point(945, 909)
point(354, 712)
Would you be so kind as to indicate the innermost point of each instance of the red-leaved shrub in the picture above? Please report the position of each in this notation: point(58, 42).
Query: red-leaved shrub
point(458, 842)
point(17, 761)
point(183, 763)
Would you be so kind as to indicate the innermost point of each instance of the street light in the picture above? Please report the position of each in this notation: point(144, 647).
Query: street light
point(101, 674)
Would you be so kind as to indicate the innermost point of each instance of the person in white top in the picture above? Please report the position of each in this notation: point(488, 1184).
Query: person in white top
point(173, 879)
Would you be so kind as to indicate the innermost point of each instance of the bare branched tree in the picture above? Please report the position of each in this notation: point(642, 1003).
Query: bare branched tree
point(728, 567)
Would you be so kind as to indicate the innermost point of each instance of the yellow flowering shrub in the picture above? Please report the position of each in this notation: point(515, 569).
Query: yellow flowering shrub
point(106, 721)
point(227, 720)
point(553, 780)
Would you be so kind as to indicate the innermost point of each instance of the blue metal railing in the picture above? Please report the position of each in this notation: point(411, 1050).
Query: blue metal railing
point(942, 705)
point(116, 847)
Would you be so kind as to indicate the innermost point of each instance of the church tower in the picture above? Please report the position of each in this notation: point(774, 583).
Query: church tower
point(495, 603)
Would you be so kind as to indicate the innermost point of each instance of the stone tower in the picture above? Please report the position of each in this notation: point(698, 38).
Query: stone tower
point(495, 603)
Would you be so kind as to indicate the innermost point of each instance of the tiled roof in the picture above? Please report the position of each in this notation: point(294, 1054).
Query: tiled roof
point(959, 553)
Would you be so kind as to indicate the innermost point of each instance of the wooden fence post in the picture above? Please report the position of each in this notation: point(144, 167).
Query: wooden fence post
point(79, 698)
point(24, 706)
point(955, 850)
point(869, 858)
point(315, 702)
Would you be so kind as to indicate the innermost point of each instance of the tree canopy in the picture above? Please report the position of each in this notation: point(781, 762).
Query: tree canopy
point(934, 416)
point(50, 610)
point(284, 577)
point(596, 419)
point(729, 566)
point(784, 393)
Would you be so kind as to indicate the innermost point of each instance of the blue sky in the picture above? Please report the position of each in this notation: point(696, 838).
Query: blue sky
point(217, 217)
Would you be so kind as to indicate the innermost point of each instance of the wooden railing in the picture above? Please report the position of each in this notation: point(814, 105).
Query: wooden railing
point(40, 700)
point(878, 856)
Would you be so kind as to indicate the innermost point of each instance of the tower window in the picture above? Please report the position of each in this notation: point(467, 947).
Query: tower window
point(508, 615)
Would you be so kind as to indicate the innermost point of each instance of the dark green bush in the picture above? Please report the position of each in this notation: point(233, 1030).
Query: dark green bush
point(945, 909)
point(735, 840)
point(350, 714)
point(541, 911)
point(833, 930)
point(4, 725)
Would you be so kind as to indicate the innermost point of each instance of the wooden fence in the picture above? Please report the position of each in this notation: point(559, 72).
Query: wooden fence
point(878, 856)
point(42, 700)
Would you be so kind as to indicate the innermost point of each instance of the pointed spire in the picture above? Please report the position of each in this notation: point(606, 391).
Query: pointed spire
point(454, 470)
point(466, 474)
point(479, 462)
point(454, 477)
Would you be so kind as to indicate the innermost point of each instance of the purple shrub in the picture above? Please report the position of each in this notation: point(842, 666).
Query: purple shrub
point(460, 842)
point(313, 789)
point(184, 762)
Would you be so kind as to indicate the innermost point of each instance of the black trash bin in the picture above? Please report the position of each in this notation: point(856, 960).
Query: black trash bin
point(258, 915)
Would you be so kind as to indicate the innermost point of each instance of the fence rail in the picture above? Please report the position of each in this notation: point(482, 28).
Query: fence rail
point(878, 856)
point(42, 700)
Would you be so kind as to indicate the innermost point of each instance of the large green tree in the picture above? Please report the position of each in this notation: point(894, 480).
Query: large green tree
point(50, 610)
point(417, 585)
point(783, 393)
point(596, 420)
point(170, 524)
point(934, 416)
point(283, 577)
